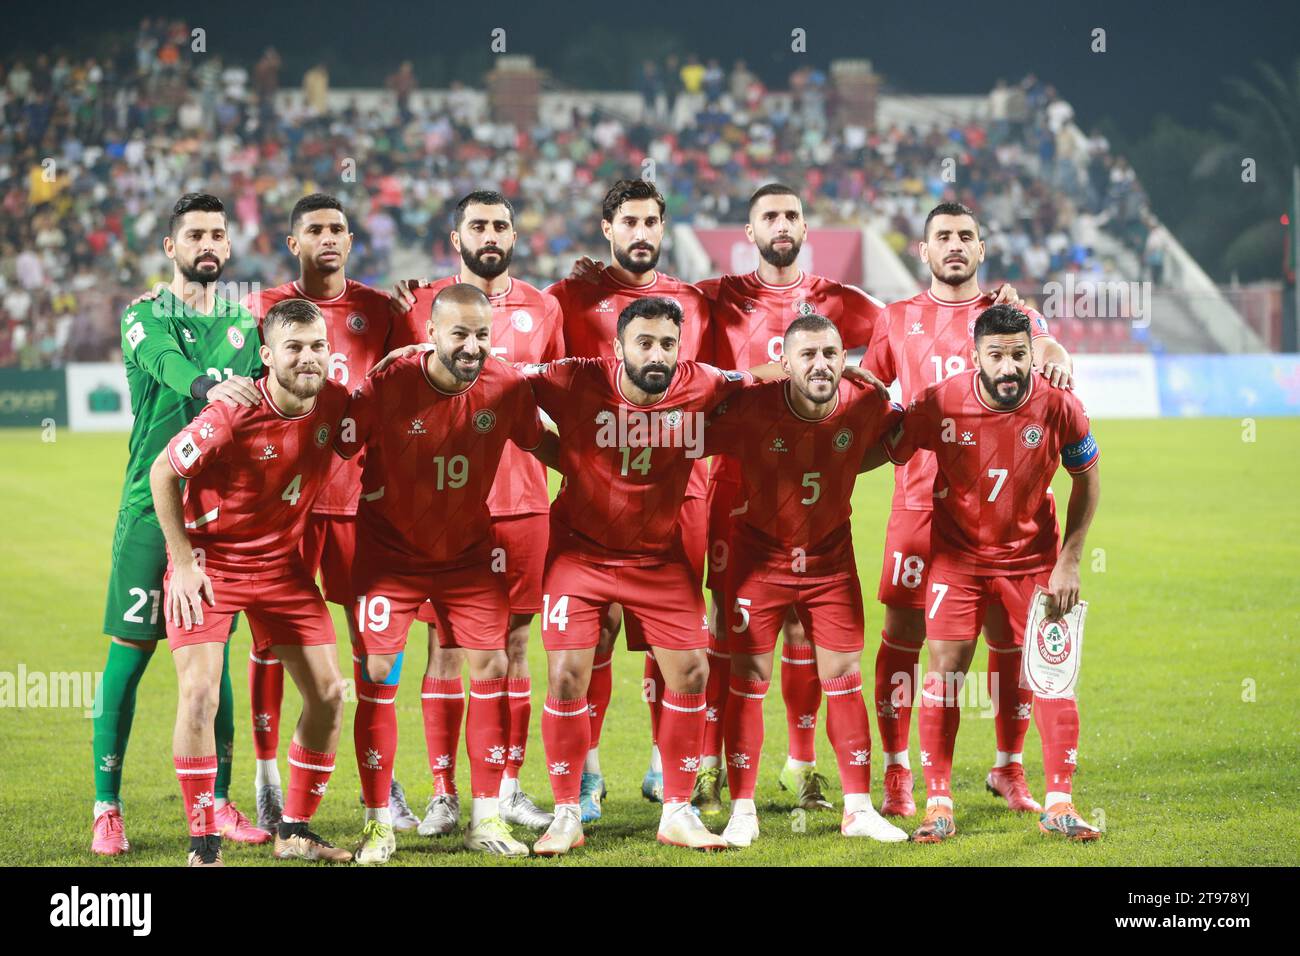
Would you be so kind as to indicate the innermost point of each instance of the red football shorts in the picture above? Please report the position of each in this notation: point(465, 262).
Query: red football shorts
point(830, 610)
point(722, 499)
point(663, 600)
point(907, 560)
point(329, 545)
point(284, 610)
point(469, 606)
point(519, 547)
point(959, 605)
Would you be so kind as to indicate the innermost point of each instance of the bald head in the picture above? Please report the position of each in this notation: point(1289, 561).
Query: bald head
point(460, 327)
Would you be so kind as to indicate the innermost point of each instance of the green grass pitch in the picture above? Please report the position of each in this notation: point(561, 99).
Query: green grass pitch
point(1189, 709)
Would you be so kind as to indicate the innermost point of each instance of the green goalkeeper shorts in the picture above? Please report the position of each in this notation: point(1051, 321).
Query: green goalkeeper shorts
point(134, 609)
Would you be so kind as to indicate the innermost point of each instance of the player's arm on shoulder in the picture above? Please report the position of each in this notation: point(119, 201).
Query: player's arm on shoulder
point(147, 338)
point(724, 425)
point(1050, 357)
point(904, 431)
point(357, 422)
point(184, 456)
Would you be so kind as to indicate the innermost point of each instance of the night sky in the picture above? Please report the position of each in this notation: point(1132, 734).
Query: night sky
point(1168, 57)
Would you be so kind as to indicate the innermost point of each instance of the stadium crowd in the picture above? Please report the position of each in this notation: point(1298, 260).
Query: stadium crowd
point(93, 150)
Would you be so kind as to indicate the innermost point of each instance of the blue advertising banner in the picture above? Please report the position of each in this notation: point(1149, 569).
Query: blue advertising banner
point(1230, 385)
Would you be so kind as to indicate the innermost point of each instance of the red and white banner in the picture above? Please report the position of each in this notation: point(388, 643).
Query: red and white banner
point(833, 253)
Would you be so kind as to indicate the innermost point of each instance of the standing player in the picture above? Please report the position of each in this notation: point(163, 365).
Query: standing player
point(998, 436)
point(526, 328)
point(358, 323)
point(632, 220)
point(798, 446)
point(251, 477)
point(630, 428)
point(434, 426)
point(924, 340)
point(750, 314)
point(182, 348)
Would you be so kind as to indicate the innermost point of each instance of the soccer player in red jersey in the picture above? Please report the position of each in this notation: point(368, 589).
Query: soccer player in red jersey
point(434, 426)
point(630, 428)
point(359, 326)
point(924, 340)
point(251, 477)
point(798, 444)
point(632, 220)
point(997, 436)
point(526, 328)
point(750, 314)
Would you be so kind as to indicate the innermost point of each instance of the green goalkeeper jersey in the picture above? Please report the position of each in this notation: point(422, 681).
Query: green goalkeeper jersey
point(166, 346)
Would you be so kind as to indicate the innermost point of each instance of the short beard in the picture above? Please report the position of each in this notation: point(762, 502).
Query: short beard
point(991, 386)
point(641, 380)
point(299, 389)
point(805, 391)
point(955, 280)
point(624, 259)
point(484, 271)
point(191, 273)
point(780, 260)
point(458, 373)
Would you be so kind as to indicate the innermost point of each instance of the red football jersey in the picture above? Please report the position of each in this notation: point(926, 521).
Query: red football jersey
point(360, 326)
point(919, 342)
point(252, 476)
point(591, 319)
point(526, 328)
point(431, 458)
point(626, 466)
point(992, 512)
point(749, 318)
point(797, 476)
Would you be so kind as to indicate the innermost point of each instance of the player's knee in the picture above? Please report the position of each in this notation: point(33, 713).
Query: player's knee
point(487, 665)
point(329, 694)
point(565, 681)
point(694, 674)
point(517, 652)
point(381, 668)
point(905, 625)
point(199, 703)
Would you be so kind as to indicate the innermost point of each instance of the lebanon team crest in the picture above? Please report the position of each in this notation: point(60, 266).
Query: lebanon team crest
point(485, 421)
point(236, 337)
point(357, 322)
point(842, 440)
point(1032, 436)
point(1054, 641)
point(804, 307)
point(522, 320)
point(322, 436)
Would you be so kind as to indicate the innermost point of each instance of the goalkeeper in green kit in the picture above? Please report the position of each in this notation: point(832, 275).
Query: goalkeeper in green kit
point(183, 347)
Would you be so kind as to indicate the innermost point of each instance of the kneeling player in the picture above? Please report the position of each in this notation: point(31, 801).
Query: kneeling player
point(434, 426)
point(998, 436)
point(796, 444)
point(252, 475)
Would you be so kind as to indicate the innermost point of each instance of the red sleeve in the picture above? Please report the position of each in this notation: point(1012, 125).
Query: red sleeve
point(725, 382)
point(879, 359)
point(358, 420)
point(527, 431)
point(724, 430)
point(886, 418)
point(201, 442)
point(1037, 324)
point(707, 352)
point(913, 431)
point(862, 316)
point(551, 382)
point(555, 348)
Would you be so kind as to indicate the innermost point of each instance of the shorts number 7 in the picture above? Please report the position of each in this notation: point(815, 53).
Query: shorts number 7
point(941, 590)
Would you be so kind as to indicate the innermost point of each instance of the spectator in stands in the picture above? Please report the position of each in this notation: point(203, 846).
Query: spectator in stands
point(316, 89)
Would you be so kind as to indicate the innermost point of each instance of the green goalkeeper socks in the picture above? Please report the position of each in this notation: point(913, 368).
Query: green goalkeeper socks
point(224, 731)
point(115, 709)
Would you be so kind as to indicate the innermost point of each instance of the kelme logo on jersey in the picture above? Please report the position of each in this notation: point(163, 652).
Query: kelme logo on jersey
point(606, 305)
point(484, 421)
point(522, 320)
point(236, 337)
point(322, 436)
point(1053, 641)
point(357, 322)
point(842, 440)
point(1032, 436)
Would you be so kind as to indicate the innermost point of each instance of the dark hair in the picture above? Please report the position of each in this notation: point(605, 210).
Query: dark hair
point(193, 202)
point(289, 312)
point(311, 203)
point(810, 323)
point(483, 197)
point(649, 307)
point(771, 189)
point(1000, 320)
point(625, 190)
point(950, 209)
point(460, 293)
